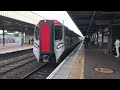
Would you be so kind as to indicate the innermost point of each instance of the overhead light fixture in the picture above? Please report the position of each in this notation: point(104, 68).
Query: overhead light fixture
point(5, 31)
point(16, 32)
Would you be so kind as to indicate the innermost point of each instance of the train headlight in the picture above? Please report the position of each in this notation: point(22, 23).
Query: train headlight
point(60, 45)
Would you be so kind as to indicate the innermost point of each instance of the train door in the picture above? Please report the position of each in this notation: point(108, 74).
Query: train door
point(58, 41)
point(36, 48)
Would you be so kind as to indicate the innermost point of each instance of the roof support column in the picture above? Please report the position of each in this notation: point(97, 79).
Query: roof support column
point(3, 37)
point(102, 37)
point(97, 40)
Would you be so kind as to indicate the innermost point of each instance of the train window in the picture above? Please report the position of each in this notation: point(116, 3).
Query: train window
point(58, 32)
point(36, 33)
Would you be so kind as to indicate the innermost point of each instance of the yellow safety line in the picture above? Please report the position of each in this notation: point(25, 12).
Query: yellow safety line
point(82, 68)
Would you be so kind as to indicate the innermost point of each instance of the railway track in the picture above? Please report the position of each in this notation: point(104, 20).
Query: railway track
point(42, 72)
point(14, 63)
point(10, 65)
point(10, 55)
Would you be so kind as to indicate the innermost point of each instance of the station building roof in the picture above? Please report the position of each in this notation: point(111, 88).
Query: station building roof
point(89, 22)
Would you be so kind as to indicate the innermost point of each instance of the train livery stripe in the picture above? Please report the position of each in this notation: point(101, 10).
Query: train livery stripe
point(45, 38)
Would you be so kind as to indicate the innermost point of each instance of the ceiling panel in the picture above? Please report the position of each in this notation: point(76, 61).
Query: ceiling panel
point(85, 20)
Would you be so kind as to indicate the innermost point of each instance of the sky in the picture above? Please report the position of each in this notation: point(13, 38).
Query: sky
point(61, 16)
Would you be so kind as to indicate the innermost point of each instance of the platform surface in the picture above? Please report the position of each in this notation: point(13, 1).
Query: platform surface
point(91, 63)
point(13, 47)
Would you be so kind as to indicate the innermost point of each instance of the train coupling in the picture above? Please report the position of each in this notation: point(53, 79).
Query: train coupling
point(45, 58)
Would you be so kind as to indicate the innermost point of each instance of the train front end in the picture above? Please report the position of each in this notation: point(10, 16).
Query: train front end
point(48, 41)
point(44, 51)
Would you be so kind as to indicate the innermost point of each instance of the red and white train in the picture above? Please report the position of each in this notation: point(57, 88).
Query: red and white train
point(52, 40)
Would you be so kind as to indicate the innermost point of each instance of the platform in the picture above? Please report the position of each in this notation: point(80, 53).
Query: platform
point(64, 70)
point(13, 47)
point(82, 64)
point(96, 58)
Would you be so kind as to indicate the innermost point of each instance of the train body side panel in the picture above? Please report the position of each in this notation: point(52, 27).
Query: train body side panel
point(36, 47)
point(59, 44)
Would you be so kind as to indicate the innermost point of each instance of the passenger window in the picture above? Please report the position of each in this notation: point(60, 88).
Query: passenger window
point(58, 32)
point(36, 33)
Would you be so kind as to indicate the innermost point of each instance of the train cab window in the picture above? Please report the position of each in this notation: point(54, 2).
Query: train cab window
point(58, 32)
point(36, 33)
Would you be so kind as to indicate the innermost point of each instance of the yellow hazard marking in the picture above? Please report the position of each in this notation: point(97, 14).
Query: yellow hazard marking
point(82, 68)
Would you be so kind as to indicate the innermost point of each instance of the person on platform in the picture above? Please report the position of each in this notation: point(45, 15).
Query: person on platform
point(86, 42)
point(117, 45)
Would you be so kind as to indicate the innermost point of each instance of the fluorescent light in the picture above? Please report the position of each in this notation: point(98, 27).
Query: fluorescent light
point(10, 33)
point(1, 31)
point(16, 32)
point(5, 31)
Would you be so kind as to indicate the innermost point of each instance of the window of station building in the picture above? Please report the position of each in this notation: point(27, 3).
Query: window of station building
point(58, 32)
point(37, 33)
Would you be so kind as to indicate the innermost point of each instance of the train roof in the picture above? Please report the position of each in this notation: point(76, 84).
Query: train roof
point(71, 31)
point(58, 23)
point(53, 21)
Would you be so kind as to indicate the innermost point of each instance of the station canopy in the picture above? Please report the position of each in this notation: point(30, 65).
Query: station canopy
point(22, 21)
point(89, 22)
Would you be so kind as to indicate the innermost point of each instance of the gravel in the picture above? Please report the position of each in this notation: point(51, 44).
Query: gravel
point(21, 71)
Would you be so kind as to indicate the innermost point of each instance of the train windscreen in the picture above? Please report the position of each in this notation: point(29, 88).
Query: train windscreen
point(36, 33)
point(58, 32)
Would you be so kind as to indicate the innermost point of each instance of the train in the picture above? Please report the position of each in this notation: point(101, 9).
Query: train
point(52, 40)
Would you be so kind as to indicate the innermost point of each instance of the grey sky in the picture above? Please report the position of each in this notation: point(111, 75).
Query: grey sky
point(60, 16)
